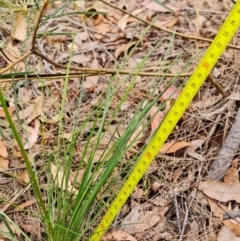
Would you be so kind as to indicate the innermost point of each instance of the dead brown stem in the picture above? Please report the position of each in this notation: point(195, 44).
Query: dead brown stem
point(217, 85)
point(90, 71)
point(38, 22)
point(13, 64)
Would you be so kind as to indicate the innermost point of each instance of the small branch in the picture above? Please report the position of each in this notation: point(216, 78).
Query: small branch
point(16, 62)
point(225, 156)
point(212, 129)
point(231, 215)
point(177, 213)
point(49, 77)
point(165, 29)
point(185, 220)
point(34, 51)
point(38, 22)
point(104, 71)
point(8, 78)
point(191, 202)
point(217, 85)
point(91, 72)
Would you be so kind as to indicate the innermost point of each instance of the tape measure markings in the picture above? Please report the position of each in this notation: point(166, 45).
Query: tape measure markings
point(225, 34)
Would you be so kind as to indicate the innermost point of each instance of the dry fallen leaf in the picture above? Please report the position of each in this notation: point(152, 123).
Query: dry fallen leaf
point(138, 221)
point(99, 19)
point(153, 5)
point(54, 119)
point(80, 37)
point(56, 39)
point(25, 95)
point(222, 192)
point(30, 228)
point(155, 186)
point(161, 200)
point(59, 178)
point(23, 176)
point(67, 136)
point(91, 81)
point(157, 119)
point(10, 109)
point(20, 28)
point(122, 23)
point(37, 109)
point(135, 137)
point(234, 225)
point(176, 175)
point(123, 48)
point(103, 28)
point(192, 231)
point(118, 235)
point(24, 205)
point(79, 4)
point(173, 146)
point(112, 133)
point(138, 193)
point(76, 176)
point(183, 185)
point(25, 113)
point(34, 135)
point(232, 175)
point(81, 59)
point(13, 53)
point(125, 105)
point(166, 23)
point(100, 153)
point(3, 150)
point(207, 102)
point(4, 163)
point(172, 92)
point(226, 234)
point(217, 210)
point(195, 144)
point(234, 96)
point(4, 230)
point(16, 152)
point(172, 22)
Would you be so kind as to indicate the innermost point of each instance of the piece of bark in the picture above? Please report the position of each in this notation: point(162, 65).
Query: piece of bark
point(231, 215)
point(226, 155)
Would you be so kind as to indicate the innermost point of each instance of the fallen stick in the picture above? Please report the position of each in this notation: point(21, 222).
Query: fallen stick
point(231, 215)
point(226, 155)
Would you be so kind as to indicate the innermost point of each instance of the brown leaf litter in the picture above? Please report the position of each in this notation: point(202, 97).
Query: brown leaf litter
point(175, 200)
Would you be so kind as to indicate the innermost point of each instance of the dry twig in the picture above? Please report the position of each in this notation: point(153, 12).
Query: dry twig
point(177, 213)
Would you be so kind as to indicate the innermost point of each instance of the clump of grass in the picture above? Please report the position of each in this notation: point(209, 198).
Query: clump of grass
point(13, 6)
point(73, 216)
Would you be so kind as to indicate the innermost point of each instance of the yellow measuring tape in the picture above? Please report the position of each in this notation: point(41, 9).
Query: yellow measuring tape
point(225, 34)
